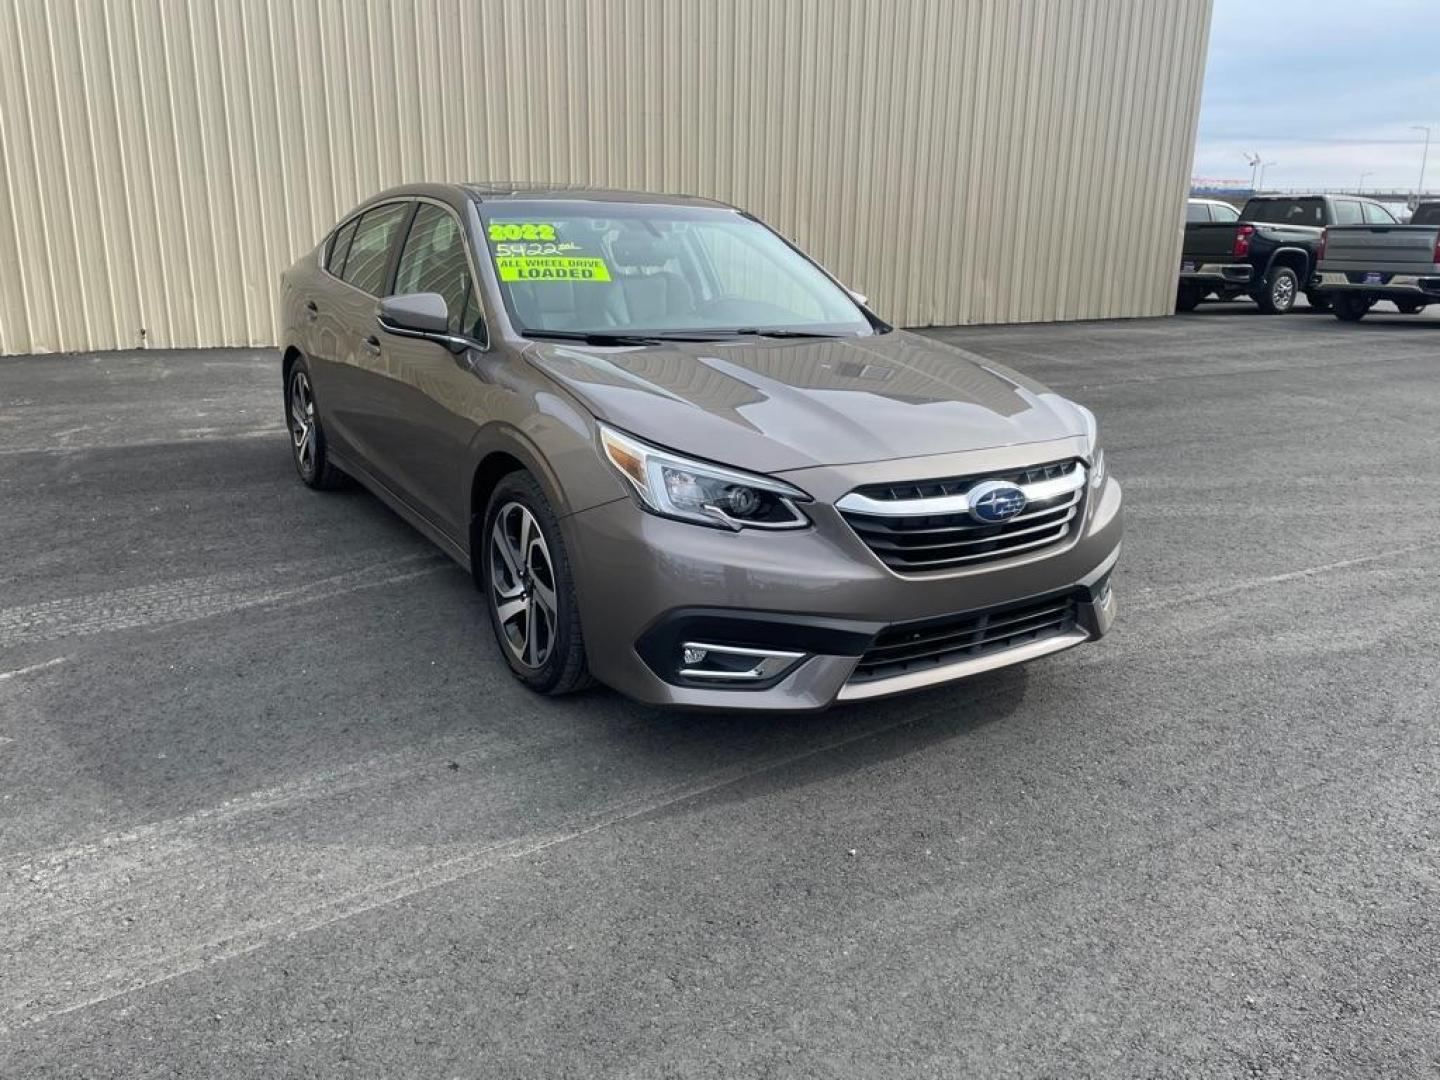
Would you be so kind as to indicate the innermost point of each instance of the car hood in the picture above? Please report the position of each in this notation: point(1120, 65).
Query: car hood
point(777, 405)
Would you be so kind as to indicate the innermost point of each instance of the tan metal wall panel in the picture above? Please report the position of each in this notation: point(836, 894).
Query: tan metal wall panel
point(959, 160)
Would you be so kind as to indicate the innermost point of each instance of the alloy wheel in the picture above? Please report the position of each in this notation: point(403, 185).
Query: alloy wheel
point(522, 585)
point(302, 422)
point(1282, 293)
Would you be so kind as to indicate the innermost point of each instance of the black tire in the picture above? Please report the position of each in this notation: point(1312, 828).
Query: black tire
point(1188, 297)
point(1351, 308)
point(1318, 301)
point(1277, 294)
point(1409, 307)
point(544, 649)
point(307, 437)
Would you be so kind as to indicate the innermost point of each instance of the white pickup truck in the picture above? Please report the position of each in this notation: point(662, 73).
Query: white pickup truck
point(1358, 265)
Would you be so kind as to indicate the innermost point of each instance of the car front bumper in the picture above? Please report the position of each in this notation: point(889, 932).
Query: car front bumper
point(804, 605)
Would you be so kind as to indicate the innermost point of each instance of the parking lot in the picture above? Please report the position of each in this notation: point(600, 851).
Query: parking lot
point(270, 803)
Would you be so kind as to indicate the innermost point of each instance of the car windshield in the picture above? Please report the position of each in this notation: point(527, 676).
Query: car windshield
point(1285, 211)
point(630, 270)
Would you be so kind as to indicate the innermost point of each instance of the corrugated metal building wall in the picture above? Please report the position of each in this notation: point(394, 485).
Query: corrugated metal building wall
point(958, 160)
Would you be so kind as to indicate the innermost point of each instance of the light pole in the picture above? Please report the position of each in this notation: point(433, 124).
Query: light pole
point(1361, 189)
point(1424, 155)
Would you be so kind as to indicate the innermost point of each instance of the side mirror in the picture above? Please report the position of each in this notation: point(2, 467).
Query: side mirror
point(415, 315)
point(859, 297)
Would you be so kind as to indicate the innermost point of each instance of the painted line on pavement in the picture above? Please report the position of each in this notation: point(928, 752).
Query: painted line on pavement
point(32, 668)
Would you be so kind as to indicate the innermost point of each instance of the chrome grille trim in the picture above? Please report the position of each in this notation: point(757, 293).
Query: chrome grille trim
point(1036, 491)
point(878, 525)
point(916, 527)
point(890, 545)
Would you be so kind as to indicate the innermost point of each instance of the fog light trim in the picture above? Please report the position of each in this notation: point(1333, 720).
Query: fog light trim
point(755, 665)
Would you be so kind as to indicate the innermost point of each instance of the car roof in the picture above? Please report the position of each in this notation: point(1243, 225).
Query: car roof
point(489, 191)
point(500, 190)
point(1313, 195)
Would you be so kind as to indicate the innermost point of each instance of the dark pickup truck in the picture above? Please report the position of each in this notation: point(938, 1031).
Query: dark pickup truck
point(1270, 254)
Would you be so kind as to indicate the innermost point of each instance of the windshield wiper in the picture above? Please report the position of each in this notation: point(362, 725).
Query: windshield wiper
point(600, 337)
point(755, 331)
point(591, 338)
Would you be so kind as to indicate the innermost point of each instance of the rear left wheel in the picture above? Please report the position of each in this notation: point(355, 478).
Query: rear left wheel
point(1317, 300)
point(1409, 307)
point(307, 440)
point(1278, 294)
point(1188, 297)
point(1351, 308)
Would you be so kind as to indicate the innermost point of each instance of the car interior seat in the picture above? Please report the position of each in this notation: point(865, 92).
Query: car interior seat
point(652, 295)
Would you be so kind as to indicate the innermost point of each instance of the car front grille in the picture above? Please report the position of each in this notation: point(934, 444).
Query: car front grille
point(924, 525)
point(919, 646)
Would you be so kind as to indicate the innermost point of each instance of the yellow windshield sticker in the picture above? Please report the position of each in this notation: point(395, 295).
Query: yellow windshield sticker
point(551, 268)
point(521, 230)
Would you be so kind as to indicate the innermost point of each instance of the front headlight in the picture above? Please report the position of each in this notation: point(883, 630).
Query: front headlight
point(689, 490)
point(1097, 467)
point(1097, 452)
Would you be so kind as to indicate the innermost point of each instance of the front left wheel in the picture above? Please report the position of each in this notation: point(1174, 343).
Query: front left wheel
point(530, 590)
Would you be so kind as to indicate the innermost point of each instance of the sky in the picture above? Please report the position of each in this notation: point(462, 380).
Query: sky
point(1325, 89)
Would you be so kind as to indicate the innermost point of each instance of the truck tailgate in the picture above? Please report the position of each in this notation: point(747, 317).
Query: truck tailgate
point(1404, 249)
point(1207, 241)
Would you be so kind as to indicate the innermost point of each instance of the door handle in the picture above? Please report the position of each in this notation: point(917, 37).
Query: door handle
point(312, 309)
point(372, 345)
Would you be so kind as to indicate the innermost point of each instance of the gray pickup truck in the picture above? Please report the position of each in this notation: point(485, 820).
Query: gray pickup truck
point(1359, 265)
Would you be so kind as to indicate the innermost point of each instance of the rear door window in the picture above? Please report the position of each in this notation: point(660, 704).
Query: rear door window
point(1221, 212)
point(370, 251)
point(1196, 211)
point(1347, 212)
point(1375, 214)
point(434, 260)
point(340, 247)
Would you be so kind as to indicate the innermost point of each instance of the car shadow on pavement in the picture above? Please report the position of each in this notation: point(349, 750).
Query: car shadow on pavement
point(772, 751)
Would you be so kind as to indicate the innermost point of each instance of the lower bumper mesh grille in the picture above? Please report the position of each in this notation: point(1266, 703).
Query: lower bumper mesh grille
point(919, 646)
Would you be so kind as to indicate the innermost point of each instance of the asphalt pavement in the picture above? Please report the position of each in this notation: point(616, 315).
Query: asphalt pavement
point(271, 805)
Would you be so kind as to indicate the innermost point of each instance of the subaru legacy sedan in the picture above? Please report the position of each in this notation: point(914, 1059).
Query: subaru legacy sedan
point(681, 459)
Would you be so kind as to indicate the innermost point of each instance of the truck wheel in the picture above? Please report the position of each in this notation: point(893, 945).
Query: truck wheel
point(1318, 300)
point(1188, 297)
point(1409, 307)
point(1351, 308)
point(1277, 296)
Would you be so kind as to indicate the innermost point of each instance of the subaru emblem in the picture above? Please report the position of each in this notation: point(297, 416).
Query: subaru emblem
point(995, 501)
